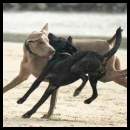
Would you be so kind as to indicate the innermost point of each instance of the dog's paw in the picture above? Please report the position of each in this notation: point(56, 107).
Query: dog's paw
point(46, 116)
point(21, 100)
point(27, 115)
point(88, 101)
point(76, 93)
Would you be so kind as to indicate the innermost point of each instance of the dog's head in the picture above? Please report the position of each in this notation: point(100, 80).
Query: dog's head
point(38, 43)
point(61, 44)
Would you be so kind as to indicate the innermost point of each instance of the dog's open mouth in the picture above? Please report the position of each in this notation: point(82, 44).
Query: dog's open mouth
point(50, 56)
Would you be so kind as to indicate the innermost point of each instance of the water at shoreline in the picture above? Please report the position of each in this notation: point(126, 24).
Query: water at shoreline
point(64, 23)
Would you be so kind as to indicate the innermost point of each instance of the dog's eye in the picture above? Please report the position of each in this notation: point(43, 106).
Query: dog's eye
point(29, 41)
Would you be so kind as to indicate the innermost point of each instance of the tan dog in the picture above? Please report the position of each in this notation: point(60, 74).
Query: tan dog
point(114, 72)
point(34, 61)
point(36, 58)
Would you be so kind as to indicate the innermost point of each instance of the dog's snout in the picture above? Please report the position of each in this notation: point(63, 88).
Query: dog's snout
point(51, 51)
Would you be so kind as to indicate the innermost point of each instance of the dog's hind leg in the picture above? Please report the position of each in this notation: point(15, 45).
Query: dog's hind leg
point(23, 75)
point(79, 89)
point(117, 64)
point(122, 81)
point(52, 105)
point(122, 78)
point(118, 76)
point(93, 83)
point(45, 96)
point(114, 73)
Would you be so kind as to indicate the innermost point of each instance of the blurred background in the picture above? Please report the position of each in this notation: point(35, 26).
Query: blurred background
point(80, 20)
point(100, 7)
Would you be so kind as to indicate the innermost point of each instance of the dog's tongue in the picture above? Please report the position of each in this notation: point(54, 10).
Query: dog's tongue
point(50, 57)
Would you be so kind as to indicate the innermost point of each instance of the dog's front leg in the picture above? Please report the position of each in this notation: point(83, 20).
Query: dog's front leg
point(79, 89)
point(52, 105)
point(23, 75)
point(45, 96)
point(32, 88)
point(93, 83)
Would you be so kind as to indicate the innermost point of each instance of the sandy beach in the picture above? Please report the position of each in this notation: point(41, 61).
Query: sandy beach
point(108, 110)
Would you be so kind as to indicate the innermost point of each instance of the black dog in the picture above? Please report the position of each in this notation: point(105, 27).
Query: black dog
point(70, 69)
point(61, 45)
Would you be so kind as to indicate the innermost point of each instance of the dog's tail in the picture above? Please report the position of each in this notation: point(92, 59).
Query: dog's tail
point(110, 41)
point(118, 38)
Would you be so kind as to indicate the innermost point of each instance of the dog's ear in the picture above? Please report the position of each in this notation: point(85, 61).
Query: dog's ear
point(45, 28)
point(51, 36)
point(70, 39)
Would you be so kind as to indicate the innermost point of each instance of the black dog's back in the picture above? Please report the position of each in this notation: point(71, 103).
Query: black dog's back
point(64, 71)
point(71, 68)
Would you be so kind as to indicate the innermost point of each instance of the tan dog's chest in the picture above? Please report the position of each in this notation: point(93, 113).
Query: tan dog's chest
point(36, 65)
